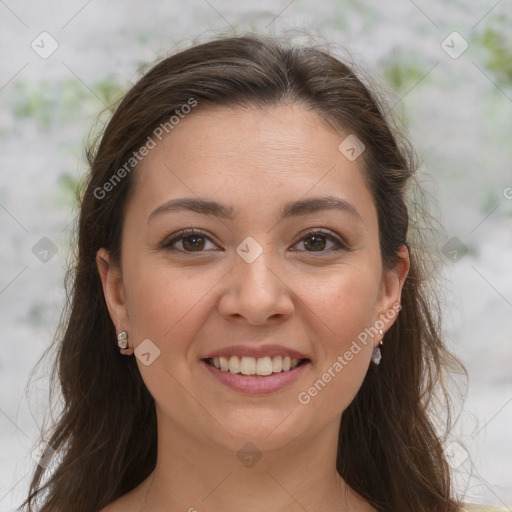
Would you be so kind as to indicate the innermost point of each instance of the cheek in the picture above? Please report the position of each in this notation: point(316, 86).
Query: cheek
point(341, 312)
point(165, 303)
point(343, 302)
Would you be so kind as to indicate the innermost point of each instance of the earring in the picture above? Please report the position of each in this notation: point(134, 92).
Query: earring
point(376, 354)
point(122, 343)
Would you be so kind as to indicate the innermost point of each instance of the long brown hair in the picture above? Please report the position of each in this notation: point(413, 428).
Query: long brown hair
point(106, 437)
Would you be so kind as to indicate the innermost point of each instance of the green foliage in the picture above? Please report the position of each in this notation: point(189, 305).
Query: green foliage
point(109, 89)
point(402, 74)
point(63, 102)
point(490, 200)
point(68, 188)
point(35, 102)
point(499, 54)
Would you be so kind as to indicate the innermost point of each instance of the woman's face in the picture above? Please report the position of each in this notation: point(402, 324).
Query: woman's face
point(278, 268)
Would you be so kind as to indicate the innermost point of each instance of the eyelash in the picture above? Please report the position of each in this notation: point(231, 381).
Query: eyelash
point(196, 232)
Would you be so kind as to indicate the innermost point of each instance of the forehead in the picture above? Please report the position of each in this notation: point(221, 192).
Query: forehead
point(250, 155)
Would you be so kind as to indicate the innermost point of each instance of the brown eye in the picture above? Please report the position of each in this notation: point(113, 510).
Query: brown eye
point(188, 242)
point(193, 243)
point(317, 241)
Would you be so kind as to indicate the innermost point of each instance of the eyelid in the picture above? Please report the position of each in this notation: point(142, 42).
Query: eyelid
point(342, 245)
point(175, 237)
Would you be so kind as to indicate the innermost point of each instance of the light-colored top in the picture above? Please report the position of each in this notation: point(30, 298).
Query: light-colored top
point(483, 508)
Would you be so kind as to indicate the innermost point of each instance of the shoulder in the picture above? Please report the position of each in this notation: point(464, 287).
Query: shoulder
point(119, 505)
point(129, 502)
point(471, 507)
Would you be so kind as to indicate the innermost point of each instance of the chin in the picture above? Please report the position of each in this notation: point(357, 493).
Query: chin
point(266, 431)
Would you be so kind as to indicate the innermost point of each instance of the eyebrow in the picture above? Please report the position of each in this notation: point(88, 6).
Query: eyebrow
point(290, 209)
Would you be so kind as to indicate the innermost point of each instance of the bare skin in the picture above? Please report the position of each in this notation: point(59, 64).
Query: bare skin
point(302, 293)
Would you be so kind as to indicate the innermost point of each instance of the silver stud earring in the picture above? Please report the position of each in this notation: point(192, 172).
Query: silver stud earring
point(376, 354)
point(122, 343)
point(122, 339)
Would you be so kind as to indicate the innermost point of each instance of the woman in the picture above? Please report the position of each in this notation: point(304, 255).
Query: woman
point(249, 327)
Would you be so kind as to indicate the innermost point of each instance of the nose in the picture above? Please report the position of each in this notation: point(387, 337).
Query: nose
point(256, 291)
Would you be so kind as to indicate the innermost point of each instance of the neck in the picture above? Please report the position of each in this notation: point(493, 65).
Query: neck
point(191, 475)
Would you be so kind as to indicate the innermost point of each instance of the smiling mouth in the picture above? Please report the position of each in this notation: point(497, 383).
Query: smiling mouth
point(261, 366)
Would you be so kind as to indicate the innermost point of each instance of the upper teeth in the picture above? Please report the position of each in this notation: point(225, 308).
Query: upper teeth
point(255, 365)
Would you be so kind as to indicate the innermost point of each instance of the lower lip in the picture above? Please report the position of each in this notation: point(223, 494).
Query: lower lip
point(256, 384)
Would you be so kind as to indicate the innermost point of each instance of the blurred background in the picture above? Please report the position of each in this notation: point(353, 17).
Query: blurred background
point(447, 66)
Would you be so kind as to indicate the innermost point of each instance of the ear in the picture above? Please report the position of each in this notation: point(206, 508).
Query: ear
point(391, 289)
point(113, 290)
